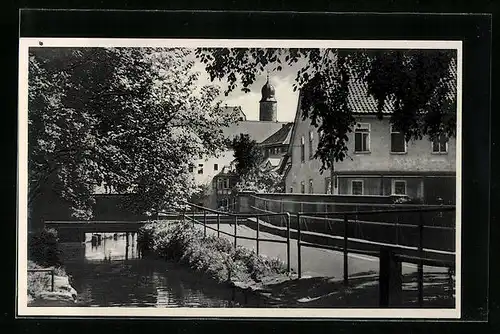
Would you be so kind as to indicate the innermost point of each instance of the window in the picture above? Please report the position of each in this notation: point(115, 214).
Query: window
point(311, 140)
point(357, 187)
point(440, 144)
point(362, 138)
point(226, 183)
point(216, 166)
point(302, 149)
point(303, 187)
point(398, 142)
point(200, 169)
point(191, 168)
point(311, 189)
point(399, 187)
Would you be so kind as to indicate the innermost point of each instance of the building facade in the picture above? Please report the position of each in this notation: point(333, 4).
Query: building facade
point(379, 160)
point(213, 171)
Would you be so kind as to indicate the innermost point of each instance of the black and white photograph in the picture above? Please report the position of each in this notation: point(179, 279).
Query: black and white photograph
point(205, 177)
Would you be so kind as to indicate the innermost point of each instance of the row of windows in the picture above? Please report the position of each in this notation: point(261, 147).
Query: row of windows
point(362, 142)
point(222, 183)
point(274, 150)
point(200, 168)
point(398, 187)
point(357, 187)
point(398, 141)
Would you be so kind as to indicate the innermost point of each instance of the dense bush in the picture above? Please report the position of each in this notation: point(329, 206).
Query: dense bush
point(213, 256)
point(40, 281)
point(43, 248)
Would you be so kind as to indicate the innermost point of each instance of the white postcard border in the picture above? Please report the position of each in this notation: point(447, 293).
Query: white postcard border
point(21, 292)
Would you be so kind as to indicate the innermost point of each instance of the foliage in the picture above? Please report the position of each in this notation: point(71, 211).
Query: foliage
point(419, 85)
point(40, 281)
point(252, 175)
point(43, 248)
point(213, 256)
point(201, 193)
point(131, 118)
point(247, 155)
point(262, 180)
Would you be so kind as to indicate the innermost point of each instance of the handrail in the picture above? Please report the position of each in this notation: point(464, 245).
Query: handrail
point(421, 209)
point(242, 215)
point(409, 205)
point(364, 222)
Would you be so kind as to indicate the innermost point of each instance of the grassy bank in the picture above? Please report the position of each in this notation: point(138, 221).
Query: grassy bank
point(43, 253)
point(214, 257)
point(40, 282)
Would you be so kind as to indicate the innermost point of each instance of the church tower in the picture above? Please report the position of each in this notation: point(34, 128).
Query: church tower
point(268, 104)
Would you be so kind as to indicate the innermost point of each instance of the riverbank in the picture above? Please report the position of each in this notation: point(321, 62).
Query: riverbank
point(40, 288)
point(242, 270)
point(214, 257)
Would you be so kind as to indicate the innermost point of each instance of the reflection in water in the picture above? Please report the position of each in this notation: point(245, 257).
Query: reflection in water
point(110, 273)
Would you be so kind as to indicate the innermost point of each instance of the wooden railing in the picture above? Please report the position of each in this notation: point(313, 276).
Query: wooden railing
point(391, 255)
point(46, 270)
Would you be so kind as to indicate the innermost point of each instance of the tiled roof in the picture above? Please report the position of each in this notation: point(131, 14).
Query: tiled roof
point(360, 102)
point(258, 130)
point(234, 109)
point(282, 136)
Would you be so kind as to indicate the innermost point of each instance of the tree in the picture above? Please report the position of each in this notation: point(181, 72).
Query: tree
point(248, 164)
point(419, 85)
point(129, 117)
point(247, 155)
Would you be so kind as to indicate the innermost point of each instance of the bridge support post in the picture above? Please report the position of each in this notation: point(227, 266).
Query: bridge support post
point(420, 275)
point(390, 279)
point(346, 259)
point(218, 225)
point(288, 241)
point(257, 235)
point(299, 255)
point(235, 230)
point(204, 224)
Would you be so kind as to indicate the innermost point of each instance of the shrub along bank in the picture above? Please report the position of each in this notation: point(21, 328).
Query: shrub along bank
point(44, 252)
point(213, 256)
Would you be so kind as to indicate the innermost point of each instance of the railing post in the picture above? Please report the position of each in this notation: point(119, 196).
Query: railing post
point(299, 255)
point(257, 236)
point(192, 210)
point(235, 230)
point(52, 272)
point(346, 271)
point(390, 281)
point(218, 224)
point(204, 223)
point(420, 275)
point(397, 229)
point(288, 241)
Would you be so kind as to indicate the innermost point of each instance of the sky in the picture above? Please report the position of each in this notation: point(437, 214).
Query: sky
point(282, 81)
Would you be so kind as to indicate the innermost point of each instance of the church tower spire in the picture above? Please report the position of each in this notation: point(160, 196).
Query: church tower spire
point(268, 103)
